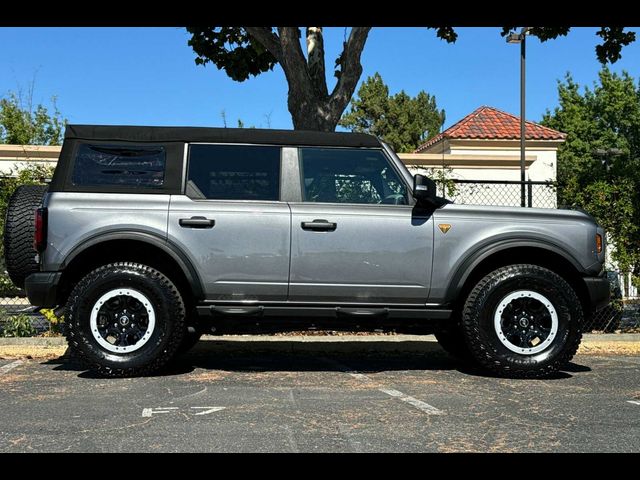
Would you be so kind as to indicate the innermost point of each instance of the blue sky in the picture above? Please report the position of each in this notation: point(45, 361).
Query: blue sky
point(148, 75)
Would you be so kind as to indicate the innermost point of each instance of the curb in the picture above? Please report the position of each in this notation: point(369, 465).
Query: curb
point(34, 341)
point(610, 338)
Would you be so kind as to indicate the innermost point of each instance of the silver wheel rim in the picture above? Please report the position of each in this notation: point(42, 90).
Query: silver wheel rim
point(526, 322)
point(120, 333)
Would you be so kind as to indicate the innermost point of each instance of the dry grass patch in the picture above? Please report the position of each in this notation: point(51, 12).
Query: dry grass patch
point(32, 351)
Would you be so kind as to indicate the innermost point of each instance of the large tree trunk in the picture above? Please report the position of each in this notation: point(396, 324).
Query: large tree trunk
point(308, 115)
point(310, 105)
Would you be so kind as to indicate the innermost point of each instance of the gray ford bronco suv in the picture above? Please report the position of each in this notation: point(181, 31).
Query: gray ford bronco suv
point(148, 237)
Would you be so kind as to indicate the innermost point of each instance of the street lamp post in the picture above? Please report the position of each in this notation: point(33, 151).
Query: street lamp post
point(521, 38)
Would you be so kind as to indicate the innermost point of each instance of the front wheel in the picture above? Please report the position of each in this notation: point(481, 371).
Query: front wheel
point(522, 321)
point(125, 319)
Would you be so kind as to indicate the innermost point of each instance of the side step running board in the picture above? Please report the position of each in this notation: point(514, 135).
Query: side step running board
point(364, 313)
point(249, 311)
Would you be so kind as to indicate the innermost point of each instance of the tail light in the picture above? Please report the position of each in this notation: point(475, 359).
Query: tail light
point(40, 236)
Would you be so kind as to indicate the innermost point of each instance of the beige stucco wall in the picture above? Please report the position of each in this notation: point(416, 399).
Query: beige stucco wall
point(542, 169)
point(13, 157)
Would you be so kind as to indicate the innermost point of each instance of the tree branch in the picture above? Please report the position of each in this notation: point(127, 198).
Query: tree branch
point(315, 60)
point(293, 58)
point(351, 69)
point(302, 101)
point(268, 39)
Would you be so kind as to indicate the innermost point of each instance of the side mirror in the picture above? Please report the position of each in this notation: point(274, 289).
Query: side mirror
point(424, 189)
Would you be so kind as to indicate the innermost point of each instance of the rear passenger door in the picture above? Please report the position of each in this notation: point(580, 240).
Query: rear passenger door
point(355, 237)
point(231, 223)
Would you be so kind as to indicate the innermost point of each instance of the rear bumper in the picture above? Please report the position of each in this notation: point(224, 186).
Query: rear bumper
point(599, 292)
point(42, 288)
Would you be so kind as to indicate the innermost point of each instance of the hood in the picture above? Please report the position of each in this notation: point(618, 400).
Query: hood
point(517, 214)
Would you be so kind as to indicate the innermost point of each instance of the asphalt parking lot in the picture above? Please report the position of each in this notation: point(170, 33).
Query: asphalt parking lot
point(270, 397)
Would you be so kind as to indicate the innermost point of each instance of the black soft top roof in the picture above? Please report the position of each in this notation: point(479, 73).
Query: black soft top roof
point(219, 135)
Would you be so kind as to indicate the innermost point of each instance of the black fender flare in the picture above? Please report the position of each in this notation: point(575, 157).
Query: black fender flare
point(492, 247)
point(190, 273)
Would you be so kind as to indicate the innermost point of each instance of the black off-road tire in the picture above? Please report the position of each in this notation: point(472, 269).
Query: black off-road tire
point(19, 229)
point(165, 339)
point(480, 332)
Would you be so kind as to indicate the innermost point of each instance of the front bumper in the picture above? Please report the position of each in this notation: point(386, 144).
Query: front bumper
point(599, 292)
point(42, 288)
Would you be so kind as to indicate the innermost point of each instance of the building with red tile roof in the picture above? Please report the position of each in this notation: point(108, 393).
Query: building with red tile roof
point(489, 123)
point(485, 145)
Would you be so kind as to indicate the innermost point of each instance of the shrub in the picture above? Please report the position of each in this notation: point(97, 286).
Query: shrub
point(55, 322)
point(18, 326)
point(7, 288)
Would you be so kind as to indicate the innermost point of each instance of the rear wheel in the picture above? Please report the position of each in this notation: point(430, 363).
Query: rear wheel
point(125, 319)
point(522, 321)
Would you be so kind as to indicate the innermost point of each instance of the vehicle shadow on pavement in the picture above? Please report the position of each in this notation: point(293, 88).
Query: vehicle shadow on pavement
point(296, 356)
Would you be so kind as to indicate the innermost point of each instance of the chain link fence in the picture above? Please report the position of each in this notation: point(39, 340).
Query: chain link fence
point(503, 193)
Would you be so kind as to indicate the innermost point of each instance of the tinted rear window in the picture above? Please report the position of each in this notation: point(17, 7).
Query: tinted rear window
point(234, 172)
point(124, 165)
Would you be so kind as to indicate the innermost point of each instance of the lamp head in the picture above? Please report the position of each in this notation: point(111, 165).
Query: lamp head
point(514, 38)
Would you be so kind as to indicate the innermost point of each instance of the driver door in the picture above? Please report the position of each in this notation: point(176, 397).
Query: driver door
point(354, 237)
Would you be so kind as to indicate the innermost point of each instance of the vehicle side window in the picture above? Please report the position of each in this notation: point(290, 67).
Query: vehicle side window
point(342, 175)
point(234, 172)
point(122, 165)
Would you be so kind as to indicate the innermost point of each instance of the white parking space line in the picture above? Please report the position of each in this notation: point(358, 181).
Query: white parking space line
point(207, 410)
point(291, 440)
point(635, 402)
point(10, 366)
point(414, 402)
point(149, 412)
point(419, 404)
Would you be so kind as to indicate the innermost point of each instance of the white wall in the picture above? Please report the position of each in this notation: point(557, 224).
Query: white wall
point(542, 169)
point(14, 157)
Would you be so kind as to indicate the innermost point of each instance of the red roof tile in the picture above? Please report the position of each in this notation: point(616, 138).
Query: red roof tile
point(489, 123)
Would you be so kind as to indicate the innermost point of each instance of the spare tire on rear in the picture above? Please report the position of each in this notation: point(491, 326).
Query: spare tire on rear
point(19, 229)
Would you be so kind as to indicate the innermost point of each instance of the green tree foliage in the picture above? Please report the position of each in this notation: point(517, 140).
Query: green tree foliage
point(243, 52)
point(23, 123)
point(597, 120)
point(403, 122)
